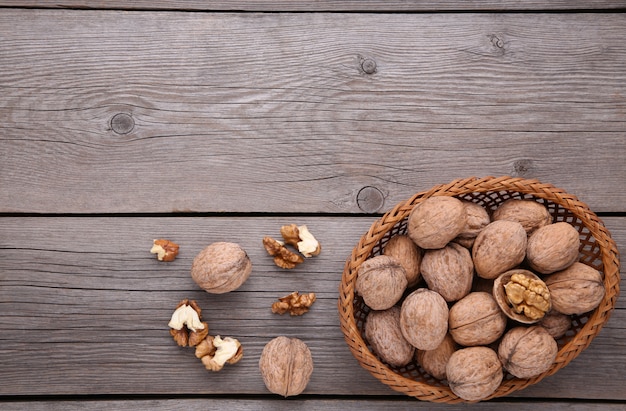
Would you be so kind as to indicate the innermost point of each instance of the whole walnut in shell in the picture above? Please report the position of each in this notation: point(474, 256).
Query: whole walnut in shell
point(526, 352)
point(556, 324)
point(221, 267)
point(434, 361)
point(576, 290)
point(403, 249)
point(530, 214)
point(381, 281)
point(424, 319)
point(448, 271)
point(382, 330)
point(286, 366)
point(499, 247)
point(553, 247)
point(476, 319)
point(434, 222)
point(474, 373)
point(476, 218)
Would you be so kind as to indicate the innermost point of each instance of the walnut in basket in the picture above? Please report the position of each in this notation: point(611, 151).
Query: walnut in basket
point(436, 221)
point(381, 281)
point(527, 351)
point(530, 214)
point(474, 373)
point(576, 290)
point(424, 319)
point(449, 271)
point(382, 330)
point(553, 247)
point(499, 247)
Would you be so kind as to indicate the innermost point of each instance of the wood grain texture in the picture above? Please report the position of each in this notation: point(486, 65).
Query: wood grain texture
point(323, 5)
point(273, 404)
point(273, 112)
point(85, 308)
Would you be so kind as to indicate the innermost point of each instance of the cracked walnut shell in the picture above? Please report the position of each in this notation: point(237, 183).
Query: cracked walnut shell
point(221, 267)
point(522, 296)
point(286, 366)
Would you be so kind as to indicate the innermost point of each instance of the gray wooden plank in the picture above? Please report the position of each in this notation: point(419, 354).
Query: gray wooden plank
point(262, 112)
point(319, 5)
point(85, 308)
point(273, 404)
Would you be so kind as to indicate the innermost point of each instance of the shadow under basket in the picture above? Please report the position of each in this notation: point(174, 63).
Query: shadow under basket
point(597, 250)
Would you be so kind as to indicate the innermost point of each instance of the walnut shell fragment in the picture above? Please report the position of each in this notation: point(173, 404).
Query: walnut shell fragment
point(522, 296)
point(527, 351)
point(221, 267)
point(382, 330)
point(286, 366)
point(474, 373)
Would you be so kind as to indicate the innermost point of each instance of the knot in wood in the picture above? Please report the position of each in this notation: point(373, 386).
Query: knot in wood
point(370, 199)
point(122, 123)
point(368, 66)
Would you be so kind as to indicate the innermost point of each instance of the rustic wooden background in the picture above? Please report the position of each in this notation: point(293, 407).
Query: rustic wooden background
point(222, 121)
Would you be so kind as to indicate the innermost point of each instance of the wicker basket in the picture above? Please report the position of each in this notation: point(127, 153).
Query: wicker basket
point(597, 250)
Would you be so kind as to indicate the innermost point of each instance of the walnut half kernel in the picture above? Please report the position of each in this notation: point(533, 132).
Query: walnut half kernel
point(522, 295)
point(294, 303)
point(214, 352)
point(165, 250)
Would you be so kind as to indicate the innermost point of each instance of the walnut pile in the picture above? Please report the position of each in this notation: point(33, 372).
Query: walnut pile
point(187, 329)
point(475, 268)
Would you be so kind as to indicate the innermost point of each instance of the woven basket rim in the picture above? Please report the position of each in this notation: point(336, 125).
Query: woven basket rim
point(532, 187)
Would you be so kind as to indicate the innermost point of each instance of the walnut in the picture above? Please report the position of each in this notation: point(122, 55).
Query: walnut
point(214, 352)
point(448, 271)
point(294, 303)
point(282, 256)
point(286, 366)
point(301, 238)
point(221, 267)
point(553, 247)
point(499, 247)
point(530, 214)
point(434, 222)
point(522, 296)
point(474, 373)
point(526, 352)
point(408, 254)
point(381, 281)
point(434, 361)
point(186, 326)
point(556, 324)
point(476, 319)
point(476, 218)
point(576, 290)
point(165, 250)
point(382, 330)
point(424, 319)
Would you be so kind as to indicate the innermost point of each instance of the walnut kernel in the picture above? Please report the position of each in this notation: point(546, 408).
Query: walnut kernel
point(283, 258)
point(294, 303)
point(165, 250)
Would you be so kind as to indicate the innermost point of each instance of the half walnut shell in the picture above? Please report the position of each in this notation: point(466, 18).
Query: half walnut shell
point(508, 306)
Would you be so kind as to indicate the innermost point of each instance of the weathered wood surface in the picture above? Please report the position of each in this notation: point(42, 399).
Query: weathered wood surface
point(85, 308)
point(324, 5)
point(127, 112)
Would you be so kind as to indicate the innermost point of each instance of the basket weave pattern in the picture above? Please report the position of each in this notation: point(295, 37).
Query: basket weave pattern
point(597, 250)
